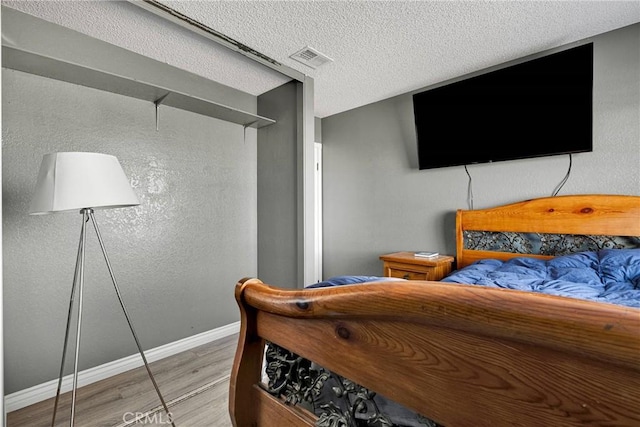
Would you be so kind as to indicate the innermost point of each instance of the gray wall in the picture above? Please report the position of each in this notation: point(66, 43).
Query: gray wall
point(277, 188)
point(376, 200)
point(177, 256)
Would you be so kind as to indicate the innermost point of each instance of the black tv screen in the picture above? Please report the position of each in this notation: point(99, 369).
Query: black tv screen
point(540, 107)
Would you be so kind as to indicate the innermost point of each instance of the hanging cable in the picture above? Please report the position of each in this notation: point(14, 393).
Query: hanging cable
point(469, 190)
point(564, 180)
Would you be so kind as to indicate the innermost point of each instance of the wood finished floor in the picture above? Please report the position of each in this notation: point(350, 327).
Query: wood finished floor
point(194, 384)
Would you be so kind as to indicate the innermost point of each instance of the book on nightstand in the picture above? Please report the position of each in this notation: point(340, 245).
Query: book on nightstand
point(426, 254)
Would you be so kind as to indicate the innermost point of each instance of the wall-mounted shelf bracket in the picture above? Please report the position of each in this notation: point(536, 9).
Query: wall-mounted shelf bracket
point(255, 124)
point(157, 102)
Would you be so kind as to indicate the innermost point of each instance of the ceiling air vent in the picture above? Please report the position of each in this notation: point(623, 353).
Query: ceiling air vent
point(310, 57)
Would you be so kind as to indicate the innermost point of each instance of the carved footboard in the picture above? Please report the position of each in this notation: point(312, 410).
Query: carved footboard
point(460, 355)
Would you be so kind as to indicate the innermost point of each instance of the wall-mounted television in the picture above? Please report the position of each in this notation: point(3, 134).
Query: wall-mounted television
point(539, 107)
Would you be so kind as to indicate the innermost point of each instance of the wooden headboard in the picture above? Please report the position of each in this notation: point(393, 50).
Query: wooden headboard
point(597, 219)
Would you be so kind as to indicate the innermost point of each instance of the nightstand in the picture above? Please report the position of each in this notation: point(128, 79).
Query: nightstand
point(406, 265)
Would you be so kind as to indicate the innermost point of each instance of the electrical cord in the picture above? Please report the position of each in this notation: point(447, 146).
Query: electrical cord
point(469, 190)
point(564, 180)
point(555, 191)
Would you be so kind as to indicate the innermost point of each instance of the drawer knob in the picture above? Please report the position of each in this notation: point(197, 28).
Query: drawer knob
point(406, 276)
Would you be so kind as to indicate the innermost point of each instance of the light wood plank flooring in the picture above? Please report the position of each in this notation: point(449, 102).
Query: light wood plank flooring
point(194, 384)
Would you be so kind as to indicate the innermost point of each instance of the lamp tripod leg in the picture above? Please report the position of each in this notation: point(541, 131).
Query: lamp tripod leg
point(85, 219)
point(79, 266)
point(126, 315)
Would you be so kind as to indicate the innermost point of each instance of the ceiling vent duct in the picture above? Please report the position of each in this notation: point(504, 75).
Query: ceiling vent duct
point(310, 57)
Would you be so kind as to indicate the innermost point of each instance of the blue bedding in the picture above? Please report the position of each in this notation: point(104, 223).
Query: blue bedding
point(349, 280)
point(608, 275)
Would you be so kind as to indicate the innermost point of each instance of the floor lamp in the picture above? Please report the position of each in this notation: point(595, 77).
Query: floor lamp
point(72, 182)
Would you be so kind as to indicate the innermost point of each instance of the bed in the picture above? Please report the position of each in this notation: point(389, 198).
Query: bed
point(455, 354)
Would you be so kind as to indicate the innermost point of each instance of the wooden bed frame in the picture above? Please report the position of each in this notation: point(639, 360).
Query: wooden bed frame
point(460, 355)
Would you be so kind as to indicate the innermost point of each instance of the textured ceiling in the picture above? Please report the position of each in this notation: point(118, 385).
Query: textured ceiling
point(379, 48)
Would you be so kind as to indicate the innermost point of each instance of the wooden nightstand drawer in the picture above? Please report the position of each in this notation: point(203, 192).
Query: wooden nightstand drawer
point(404, 274)
point(406, 265)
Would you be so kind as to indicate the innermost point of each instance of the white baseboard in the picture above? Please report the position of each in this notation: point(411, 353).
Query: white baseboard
point(38, 393)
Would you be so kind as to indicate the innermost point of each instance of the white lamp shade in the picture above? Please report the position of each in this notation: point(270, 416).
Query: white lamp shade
point(74, 181)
